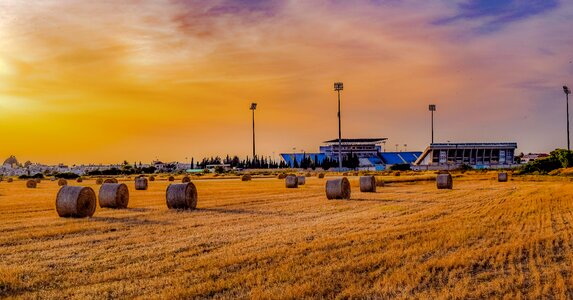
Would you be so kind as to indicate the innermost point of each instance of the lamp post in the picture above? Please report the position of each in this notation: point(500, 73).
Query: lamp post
point(253, 108)
point(338, 86)
point(567, 92)
point(432, 109)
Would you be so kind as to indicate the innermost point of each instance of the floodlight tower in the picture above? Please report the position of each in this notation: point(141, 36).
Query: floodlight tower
point(253, 108)
point(338, 86)
point(432, 109)
point(567, 92)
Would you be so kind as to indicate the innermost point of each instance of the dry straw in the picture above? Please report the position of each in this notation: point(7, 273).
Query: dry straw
point(141, 183)
point(379, 182)
point(308, 175)
point(75, 202)
point(31, 184)
point(62, 182)
point(113, 195)
point(301, 180)
point(185, 179)
point(338, 189)
point(291, 182)
point(181, 196)
point(368, 184)
point(444, 181)
point(502, 177)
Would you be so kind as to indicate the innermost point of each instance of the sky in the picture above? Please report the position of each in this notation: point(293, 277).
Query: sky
point(107, 81)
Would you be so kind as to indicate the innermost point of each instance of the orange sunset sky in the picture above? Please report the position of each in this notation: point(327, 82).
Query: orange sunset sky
point(104, 81)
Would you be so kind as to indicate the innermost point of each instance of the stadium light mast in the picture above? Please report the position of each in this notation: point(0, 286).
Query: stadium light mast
point(253, 108)
point(432, 109)
point(338, 86)
point(567, 92)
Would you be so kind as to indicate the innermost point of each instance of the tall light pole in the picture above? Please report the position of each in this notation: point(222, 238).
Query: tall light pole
point(432, 109)
point(253, 108)
point(338, 86)
point(567, 92)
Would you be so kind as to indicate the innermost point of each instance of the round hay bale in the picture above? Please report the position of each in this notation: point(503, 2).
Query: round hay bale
point(110, 180)
point(99, 181)
point(181, 196)
point(151, 178)
point(62, 182)
point(301, 180)
point(282, 176)
point(291, 182)
point(246, 177)
point(9, 180)
point(338, 188)
point(345, 174)
point(79, 179)
point(444, 181)
point(320, 175)
point(38, 180)
point(502, 177)
point(368, 184)
point(75, 202)
point(186, 179)
point(31, 184)
point(355, 174)
point(308, 175)
point(141, 183)
point(113, 195)
point(171, 178)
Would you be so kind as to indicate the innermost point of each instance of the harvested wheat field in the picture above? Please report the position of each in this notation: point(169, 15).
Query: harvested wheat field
point(257, 239)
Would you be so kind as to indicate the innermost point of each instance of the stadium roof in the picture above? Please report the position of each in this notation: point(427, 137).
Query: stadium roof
point(369, 140)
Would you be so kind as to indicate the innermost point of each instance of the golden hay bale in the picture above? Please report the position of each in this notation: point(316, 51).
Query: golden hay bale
point(75, 202)
point(308, 174)
point(345, 174)
point(181, 196)
point(38, 180)
point(246, 177)
point(444, 181)
point(320, 175)
point(151, 178)
point(62, 182)
point(141, 183)
point(355, 174)
point(186, 179)
point(291, 182)
point(79, 179)
point(9, 180)
point(301, 180)
point(113, 195)
point(338, 189)
point(31, 184)
point(282, 176)
point(368, 184)
point(110, 180)
point(171, 178)
point(502, 177)
point(99, 181)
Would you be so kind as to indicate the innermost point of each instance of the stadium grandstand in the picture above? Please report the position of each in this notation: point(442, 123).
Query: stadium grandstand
point(368, 151)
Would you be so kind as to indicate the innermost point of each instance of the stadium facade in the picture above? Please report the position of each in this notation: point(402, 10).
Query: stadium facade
point(439, 156)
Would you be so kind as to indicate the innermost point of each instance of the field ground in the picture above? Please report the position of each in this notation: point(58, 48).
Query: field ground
point(259, 240)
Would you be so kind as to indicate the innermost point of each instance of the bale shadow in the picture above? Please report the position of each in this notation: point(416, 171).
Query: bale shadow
point(129, 221)
point(243, 212)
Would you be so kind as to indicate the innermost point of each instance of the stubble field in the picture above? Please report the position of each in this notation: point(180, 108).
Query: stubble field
point(259, 240)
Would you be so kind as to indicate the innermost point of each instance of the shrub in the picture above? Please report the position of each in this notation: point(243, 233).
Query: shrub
point(400, 167)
